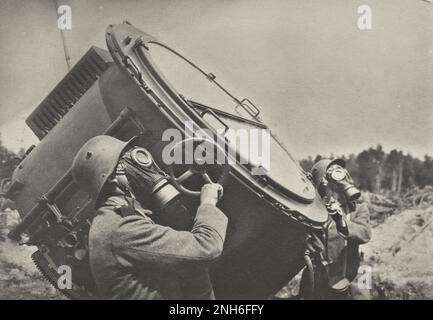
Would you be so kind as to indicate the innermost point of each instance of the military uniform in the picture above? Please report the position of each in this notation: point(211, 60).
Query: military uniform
point(132, 257)
point(337, 275)
point(343, 254)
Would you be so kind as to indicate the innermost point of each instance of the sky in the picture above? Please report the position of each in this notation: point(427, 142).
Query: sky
point(323, 85)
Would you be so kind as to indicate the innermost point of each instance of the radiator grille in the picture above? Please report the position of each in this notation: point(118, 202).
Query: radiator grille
point(72, 87)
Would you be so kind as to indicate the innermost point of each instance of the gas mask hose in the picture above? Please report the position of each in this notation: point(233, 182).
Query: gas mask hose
point(310, 270)
point(313, 252)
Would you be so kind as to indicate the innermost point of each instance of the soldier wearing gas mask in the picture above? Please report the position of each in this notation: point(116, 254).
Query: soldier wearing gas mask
point(347, 228)
point(132, 256)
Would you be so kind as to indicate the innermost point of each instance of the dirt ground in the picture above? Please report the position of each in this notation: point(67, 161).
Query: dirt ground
point(19, 277)
point(400, 254)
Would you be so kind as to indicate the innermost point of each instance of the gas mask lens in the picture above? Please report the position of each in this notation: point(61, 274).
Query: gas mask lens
point(337, 173)
point(342, 181)
point(142, 157)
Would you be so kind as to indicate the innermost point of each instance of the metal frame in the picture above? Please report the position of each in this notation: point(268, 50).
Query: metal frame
point(177, 110)
point(48, 200)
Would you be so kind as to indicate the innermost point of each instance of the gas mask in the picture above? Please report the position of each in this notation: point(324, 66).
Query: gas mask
point(144, 179)
point(339, 180)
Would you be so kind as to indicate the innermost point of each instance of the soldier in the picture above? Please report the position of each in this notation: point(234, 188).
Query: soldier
point(131, 256)
point(344, 233)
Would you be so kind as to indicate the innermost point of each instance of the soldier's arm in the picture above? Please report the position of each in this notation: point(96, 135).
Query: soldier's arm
point(139, 241)
point(359, 225)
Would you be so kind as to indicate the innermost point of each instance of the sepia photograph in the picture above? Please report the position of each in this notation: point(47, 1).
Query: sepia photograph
point(239, 151)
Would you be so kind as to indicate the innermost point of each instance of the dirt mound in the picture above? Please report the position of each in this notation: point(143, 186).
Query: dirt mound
point(401, 255)
point(400, 252)
point(419, 197)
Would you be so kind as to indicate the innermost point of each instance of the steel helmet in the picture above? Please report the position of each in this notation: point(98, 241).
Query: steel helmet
point(319, 169)
point(96, 161)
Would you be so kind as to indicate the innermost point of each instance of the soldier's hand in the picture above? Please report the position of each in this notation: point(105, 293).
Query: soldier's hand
point(211, 193)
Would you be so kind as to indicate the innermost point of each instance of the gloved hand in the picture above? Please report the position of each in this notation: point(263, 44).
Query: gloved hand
point(337, 214)
point(211, 193)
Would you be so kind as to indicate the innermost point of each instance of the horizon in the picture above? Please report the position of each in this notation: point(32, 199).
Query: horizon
point(16, 147)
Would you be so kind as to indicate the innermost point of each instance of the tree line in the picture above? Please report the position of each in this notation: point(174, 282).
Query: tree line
point(377, 171)
point(8, 161)
point(373, 169)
